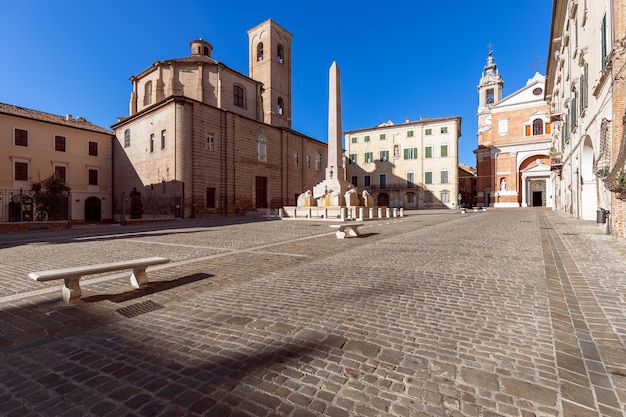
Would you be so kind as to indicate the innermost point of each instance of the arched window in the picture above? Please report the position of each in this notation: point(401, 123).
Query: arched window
point(280, 54)
point(127, 138)
point(147, 94)
point(279, 108)
point(259, 51)
point(238, 96)
point(261, 149)
point(537, 127)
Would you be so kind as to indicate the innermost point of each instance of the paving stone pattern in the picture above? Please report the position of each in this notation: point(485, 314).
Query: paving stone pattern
point(483, 314)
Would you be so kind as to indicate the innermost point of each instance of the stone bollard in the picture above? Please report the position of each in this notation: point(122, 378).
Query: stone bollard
point(371, 210)
point(343, 212)
point(395, 212)
point(401, 212)
point(361, 213)
point(380, 212)
point(387, 212)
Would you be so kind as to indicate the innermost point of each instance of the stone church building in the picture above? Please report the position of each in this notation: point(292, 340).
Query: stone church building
point(204, 140)
point(512, 159)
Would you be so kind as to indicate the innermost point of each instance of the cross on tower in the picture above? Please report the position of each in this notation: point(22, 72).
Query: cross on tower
point(537, 63)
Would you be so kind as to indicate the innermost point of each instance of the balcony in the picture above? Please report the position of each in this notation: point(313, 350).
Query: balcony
point(555, 163)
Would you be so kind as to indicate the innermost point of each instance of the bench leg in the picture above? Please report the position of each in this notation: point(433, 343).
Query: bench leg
point(139, 278)
point(352, 232)
point(71, 290)
point(340, 234)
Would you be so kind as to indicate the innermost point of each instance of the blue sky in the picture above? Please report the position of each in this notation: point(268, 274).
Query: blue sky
point(398, 59)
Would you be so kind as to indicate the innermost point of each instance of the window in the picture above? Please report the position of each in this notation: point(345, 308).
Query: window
point(428, 197)
point(445, 197)
point(489, 96)
point(147, 95)
point(163, 137)
point(59, 143)
point(410, 153)
point(353, 158)
point(574, 109)
point(296, 159)
point(93, 148)
point(396, 151)
point(367, 180)
point(428, 152)
point(308, 161)
point(366, 138)
point(537, 127)
point(151, 142)
point(318, 161)
point(280, 54)
point(280, 107)
point(211, 200)
point(355, 180)
point(444, 177)
point(383, 136)
point(603, 42)
point(93, 176)
point(60, 172)
point(428, 177)
point(583, 88)
point(21, 137)
point(384, 156)
point(410, 179)
point(210, 142)
point(382, 180)
point(353, 139)
point(238, 95)
point(428, 132)
point(259, 51)
point(127, 138)
point(409, 134)
point(369, 157)
point(261, 149)
point(21, 171)
point(444, 151)
point(444, 129)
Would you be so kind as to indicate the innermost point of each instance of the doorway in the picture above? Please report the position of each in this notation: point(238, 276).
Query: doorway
point(93, 209)
point(261, 192)
point(537, 199)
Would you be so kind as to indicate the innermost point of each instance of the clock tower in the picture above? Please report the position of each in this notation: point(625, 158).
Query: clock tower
point(489, 92)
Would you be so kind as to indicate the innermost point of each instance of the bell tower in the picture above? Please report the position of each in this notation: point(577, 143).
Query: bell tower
point(489, 91)
point(269, 55)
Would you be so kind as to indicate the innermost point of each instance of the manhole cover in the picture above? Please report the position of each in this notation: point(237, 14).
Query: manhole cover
point(135, 310)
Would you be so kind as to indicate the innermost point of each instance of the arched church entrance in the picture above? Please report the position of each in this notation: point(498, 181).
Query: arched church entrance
point(93, 209)
point(535, 181)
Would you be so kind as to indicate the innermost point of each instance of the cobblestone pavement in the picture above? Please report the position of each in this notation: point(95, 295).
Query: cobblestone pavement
point(496, 313)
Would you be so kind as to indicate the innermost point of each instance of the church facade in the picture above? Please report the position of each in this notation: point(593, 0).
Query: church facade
point(512, 158)
point(204, 140)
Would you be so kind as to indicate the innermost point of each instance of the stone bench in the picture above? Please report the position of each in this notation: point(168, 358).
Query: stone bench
point(347, 229)
point(71, 276)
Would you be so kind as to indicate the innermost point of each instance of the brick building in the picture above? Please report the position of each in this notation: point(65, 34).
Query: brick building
point(205, 140)
point(512, 163)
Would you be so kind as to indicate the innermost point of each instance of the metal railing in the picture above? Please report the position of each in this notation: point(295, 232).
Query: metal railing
point(26, 206)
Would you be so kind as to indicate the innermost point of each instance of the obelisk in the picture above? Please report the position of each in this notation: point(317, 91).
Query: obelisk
point(334, 167)
point(330, 192)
